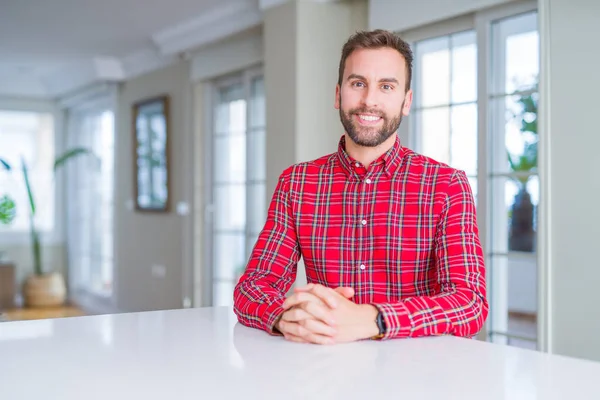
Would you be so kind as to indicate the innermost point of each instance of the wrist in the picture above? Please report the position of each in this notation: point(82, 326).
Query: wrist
point(370, 321)
point(276, 330)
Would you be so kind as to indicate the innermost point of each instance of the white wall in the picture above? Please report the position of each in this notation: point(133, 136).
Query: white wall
point(572, 85)
point(318, 122)
point(147, 239)
point(303, 43)
point(401, 15)
point(280, 89)
point(231, 55)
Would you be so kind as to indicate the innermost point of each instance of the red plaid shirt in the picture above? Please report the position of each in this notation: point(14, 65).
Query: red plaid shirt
point(402, 233)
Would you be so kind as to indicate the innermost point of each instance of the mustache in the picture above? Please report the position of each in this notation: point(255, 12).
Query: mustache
point(367, 111)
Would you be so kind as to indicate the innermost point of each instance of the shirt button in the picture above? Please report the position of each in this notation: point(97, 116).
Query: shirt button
point(368, 180)
point(357, 165)
point(364, 222)
point(362, 266)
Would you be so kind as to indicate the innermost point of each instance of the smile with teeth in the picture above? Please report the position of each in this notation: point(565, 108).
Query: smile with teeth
point(369, 119)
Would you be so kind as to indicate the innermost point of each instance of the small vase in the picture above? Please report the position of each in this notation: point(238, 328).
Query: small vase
point(521, 233)
point(48, 290)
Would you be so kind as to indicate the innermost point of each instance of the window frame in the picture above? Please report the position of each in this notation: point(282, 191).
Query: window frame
point(103, 97)
point(481, 22)
point(210, 97)
point(57, 235)
point(458, 26)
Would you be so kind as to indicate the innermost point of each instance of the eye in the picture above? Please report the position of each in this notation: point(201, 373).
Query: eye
point(358, 84)
point(387, 87)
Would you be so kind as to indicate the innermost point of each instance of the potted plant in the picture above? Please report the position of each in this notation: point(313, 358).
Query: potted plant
point(7, 270)
point(42, 288)
point(7, 210)
point(7, 214)
point(522, 231)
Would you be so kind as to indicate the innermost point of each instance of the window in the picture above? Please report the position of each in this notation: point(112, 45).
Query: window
point(513, 180)
point(91, 202)
point(445, 77)
point(238, 179)
point(451, 125)
point(28, 136)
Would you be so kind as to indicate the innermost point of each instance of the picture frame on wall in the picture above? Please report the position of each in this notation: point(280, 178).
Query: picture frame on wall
point(151, 131)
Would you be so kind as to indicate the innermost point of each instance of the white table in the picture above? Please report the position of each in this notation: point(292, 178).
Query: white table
point(204, 354)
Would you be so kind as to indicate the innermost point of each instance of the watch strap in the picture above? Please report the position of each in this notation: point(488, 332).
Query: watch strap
point(380, 321)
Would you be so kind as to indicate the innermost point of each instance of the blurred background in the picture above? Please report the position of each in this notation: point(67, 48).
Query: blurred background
point(141, 141)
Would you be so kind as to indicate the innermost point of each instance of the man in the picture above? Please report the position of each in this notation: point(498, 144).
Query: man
point(389, 237)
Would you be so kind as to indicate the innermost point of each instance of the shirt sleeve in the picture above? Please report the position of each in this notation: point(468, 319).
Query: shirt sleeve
point(271, 270)
point(460, 308)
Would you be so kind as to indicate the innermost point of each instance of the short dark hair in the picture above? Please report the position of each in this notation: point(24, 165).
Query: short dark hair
point(377, 39)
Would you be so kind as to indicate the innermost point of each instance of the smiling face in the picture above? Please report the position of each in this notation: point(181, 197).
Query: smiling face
point(371, 97)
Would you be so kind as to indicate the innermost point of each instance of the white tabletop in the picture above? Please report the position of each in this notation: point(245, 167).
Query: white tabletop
point(204, 354)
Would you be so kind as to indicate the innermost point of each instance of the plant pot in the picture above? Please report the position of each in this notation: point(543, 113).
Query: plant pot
point(7, 286)
point(48, 290)
point(522, 234)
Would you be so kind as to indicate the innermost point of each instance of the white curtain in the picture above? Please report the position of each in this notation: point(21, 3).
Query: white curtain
point(90, 195)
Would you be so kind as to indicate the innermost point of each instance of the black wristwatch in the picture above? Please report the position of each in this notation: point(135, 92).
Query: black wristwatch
point(380, 325)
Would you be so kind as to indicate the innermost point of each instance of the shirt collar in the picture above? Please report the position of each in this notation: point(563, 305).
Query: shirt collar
point(389, 161)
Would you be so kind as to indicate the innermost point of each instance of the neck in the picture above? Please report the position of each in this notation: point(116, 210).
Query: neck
point(366, 155)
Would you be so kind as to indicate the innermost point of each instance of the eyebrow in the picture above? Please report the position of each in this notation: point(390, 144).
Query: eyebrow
point(386, 80)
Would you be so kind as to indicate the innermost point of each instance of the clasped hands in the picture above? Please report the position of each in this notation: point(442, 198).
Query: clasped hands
point(321, 315)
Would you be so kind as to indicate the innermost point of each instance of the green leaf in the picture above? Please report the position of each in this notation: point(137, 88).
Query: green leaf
point(529, 104)
point(7, 210)
point(5, 164)
point(28, 186)
point(512, 164)
point(36, 248)
point(529, 126)
point(63, 158)
point(527, 118)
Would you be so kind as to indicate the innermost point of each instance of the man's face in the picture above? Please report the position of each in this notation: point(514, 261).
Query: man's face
point(372, 98)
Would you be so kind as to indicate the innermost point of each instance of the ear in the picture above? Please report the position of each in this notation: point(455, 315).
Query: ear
point(408, 97)
point(337, 97)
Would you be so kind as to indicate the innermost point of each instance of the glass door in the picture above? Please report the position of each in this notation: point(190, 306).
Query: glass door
point(238, 182)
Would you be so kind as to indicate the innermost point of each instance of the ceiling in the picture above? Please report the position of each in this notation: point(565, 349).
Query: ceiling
point(50, 48)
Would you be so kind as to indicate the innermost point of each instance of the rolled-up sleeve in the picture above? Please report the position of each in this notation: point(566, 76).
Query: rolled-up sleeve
point(460, 307)
point(271, 269)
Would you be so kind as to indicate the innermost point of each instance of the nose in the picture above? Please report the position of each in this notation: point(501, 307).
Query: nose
point(370, 99)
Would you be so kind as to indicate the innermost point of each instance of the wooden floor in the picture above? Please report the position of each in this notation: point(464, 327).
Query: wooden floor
point(20, 314)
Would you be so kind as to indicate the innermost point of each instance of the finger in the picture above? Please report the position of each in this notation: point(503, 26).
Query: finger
point(323, 293)
point(319, 339)
point(296, 314)
point(296, 329)
point(329, 296)
point(345, 291)
point(319, 311)
point(293, 338)
point(309, 310)
point(299, 298)
point(306, 288)
point(318, 327)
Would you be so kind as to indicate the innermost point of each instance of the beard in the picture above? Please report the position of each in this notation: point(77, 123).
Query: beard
point(369, 136)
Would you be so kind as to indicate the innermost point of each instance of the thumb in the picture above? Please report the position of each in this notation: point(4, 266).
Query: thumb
point(345, 291)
